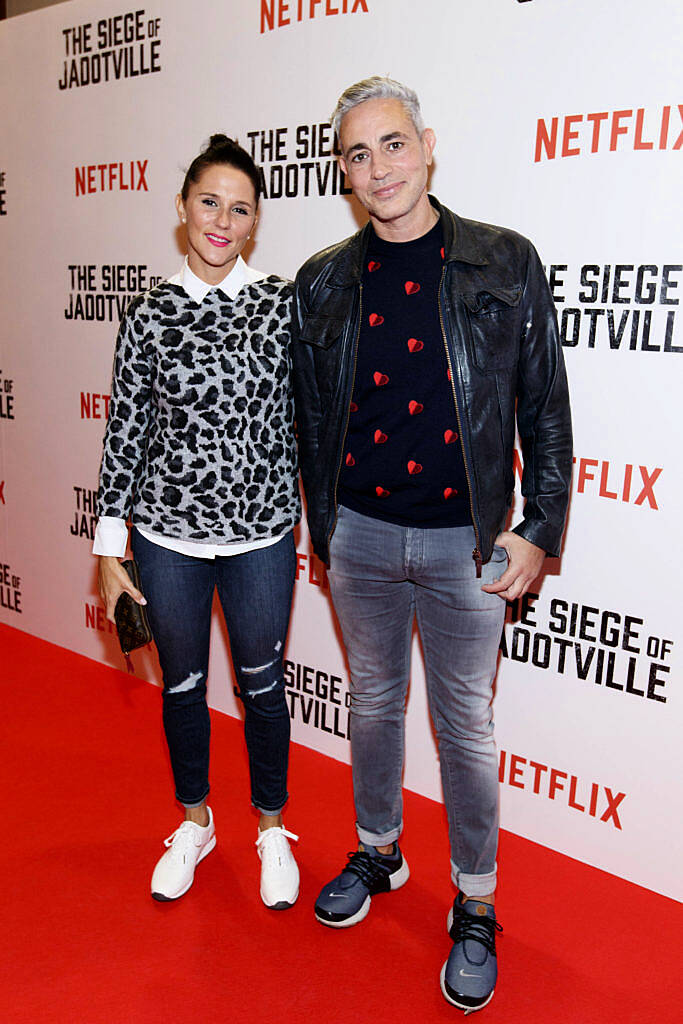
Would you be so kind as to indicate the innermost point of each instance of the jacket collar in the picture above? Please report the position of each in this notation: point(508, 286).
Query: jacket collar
point(459, 244)
point(459, 241)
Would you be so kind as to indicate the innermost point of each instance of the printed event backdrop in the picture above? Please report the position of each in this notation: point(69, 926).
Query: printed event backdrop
point(561, 120)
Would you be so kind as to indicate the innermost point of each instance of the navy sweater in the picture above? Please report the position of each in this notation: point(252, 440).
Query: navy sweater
point(402, 460)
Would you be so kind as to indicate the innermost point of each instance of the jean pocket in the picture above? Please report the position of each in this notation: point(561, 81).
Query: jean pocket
point(499, 554)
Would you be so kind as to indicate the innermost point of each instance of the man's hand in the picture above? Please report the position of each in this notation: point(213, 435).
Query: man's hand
point(112, 581)
point(525, 563)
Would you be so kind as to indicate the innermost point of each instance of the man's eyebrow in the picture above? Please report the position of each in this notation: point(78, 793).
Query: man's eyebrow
point(389, 137)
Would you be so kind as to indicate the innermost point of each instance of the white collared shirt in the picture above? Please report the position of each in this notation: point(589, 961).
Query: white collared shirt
point(111, 533)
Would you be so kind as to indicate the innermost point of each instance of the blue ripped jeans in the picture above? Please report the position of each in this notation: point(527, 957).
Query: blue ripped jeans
point(255, 592)
point(383, 577)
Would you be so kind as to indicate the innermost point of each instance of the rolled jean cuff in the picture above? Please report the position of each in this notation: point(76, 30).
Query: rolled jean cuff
point(474, 885)
point(191, 803)
point(269, 813)
point(378, 838)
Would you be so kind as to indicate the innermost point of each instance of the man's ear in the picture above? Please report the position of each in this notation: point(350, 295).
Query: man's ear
point(342, 164)
point(428, 142)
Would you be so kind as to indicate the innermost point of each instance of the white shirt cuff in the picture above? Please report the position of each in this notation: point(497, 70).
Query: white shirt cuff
point(111, 537)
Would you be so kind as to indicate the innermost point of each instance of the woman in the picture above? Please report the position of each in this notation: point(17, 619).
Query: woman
point(199, 451)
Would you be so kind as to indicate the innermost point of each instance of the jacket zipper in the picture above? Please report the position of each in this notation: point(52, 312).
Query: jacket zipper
point(348, 415)
point(476, 554)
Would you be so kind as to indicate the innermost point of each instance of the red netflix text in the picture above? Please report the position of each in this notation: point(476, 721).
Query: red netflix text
point(279, 13)
point(606, 479)
point(310, 569)
point(96, 619)
point(94, 406)
point(542, 780)
point(116, 177)
point(609, 131)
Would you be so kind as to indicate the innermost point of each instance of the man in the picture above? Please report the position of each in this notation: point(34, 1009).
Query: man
point(419, 339)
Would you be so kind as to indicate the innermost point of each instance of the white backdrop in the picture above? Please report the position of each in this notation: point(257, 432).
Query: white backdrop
point(559, 119)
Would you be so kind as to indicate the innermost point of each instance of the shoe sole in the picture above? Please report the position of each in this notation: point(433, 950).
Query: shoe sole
point(454, 1002)
point(396, 881)
point(161, 897)
point(281, 904)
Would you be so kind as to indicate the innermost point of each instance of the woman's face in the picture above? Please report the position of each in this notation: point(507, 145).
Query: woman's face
point(220, 212)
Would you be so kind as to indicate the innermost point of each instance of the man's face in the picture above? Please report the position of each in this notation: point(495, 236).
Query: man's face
point(386, 161)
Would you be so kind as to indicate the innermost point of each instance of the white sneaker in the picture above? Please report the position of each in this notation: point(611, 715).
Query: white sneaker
point(174, 873)
point(279, 871)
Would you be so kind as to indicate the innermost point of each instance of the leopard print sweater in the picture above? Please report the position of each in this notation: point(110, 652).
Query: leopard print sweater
point(199, 443)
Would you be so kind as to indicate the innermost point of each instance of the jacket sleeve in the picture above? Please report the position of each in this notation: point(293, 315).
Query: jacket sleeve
point(125, 438)
point(543, 415)
point(306, 394)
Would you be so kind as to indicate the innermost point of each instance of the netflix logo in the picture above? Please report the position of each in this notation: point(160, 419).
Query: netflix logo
point(609, 131)
point(550, 783)
point(97, 620)
point(2, 492)
point(309, 569)
point(603, 478)
point(128, 176)
point(280, 13)
point(94, 406)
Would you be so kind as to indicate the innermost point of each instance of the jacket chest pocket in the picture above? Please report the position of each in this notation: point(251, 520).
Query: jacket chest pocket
point(493, 319)
point(322, 333)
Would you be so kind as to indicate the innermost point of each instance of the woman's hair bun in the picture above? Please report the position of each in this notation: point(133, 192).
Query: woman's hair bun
point(218, 140)
point(221, 149)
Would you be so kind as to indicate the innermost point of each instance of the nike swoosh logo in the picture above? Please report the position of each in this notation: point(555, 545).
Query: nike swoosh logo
point(341, 895)
point(464, 974)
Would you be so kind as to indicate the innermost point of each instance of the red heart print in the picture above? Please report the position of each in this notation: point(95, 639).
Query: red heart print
point(382, 492)
point(442, 252)
point(380, 437)
point(450, 436)
point(353, 407)
point(350, 461)
point(373, 265)
point(415, 345)
point(411, 287)
point(414, 467)
point(449, 492)
point(380, 379)
point(375, 319)
point(415, 407)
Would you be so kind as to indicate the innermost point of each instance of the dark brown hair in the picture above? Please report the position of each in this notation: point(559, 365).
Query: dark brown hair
point(222, 150)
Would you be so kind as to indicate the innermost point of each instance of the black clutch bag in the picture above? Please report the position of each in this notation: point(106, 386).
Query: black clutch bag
point(132, 623)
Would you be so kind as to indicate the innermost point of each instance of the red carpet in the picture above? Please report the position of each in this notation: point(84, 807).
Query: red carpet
point(89, 801)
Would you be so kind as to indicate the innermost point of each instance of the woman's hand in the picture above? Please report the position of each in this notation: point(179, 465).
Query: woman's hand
point(112, 581)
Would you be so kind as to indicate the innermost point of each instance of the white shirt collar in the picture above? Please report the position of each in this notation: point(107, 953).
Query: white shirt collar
point(231, 284)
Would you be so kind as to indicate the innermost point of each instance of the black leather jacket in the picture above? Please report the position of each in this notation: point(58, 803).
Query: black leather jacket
point(500, 332)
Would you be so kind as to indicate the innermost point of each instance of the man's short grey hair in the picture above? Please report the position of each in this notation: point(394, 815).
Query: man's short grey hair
point(378, 88)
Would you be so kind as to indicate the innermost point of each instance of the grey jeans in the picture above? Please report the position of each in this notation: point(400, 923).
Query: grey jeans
point(381, 577)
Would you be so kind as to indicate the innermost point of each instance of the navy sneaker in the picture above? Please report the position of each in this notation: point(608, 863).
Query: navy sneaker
point(346, 899)
point(468, 977)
